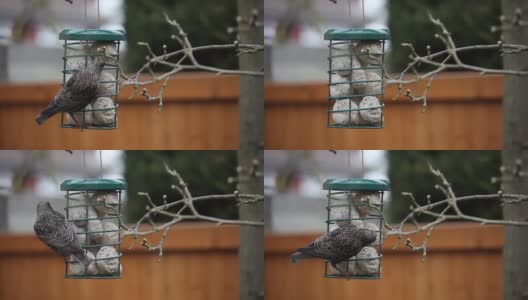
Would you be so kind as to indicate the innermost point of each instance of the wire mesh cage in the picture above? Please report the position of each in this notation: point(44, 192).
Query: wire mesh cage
point(355, 77)
point(80, 47)
point(93, 206)
point(358, 202)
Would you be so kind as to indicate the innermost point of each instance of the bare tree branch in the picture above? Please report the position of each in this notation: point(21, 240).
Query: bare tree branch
point(182, 205)
point(444, 60)
point(449, 211)
point(184, 59)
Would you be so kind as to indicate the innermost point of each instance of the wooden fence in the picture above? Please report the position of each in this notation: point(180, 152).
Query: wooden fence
point(464, 112)
point(200, 111)
point(200, 262)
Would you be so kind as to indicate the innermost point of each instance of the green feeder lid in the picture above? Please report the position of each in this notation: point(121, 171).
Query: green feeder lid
point(92, 35)
point(95, 184)
point(357, 34)
point(358, 184)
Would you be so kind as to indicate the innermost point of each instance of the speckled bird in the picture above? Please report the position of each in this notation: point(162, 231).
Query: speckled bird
point(78, 91)
point(52, 228)
point(337, 246)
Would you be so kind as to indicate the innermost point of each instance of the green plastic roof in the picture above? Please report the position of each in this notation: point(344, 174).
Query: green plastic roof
point(96, 184)
point(92, 35)
point(357, 34)
point(358, 184)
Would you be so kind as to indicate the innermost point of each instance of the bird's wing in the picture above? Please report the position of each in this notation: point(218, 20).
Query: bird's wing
point(71, 236)
point(323, 246)
point(65, 236)
point(73, 79)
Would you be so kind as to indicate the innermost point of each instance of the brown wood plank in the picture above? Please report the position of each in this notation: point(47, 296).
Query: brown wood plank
point(451, 125)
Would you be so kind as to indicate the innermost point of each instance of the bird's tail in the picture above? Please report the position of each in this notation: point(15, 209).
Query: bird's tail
point(49, 112)
point(83, 258)
point(304, 253)
point(298, 256)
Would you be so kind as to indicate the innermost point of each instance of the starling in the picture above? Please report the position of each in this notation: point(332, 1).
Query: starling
point(52, 228)
point(78, 91)
point(337, 246)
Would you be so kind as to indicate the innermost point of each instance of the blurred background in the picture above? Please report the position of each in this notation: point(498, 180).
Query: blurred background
point(27, 177)
point(31, 70)
point(29, 31)
point(459, 103)
point(294, 181)
point(294, 31)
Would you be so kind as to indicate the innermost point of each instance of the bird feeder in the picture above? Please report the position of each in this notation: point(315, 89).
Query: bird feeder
point(80, 47)
point(355, 77)
point(358, 202)
point(93, 207)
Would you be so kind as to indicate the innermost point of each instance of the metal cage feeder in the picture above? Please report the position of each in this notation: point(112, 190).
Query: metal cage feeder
point(358, 202)
point(93, 206)
point(80, 46)
point(355, 77)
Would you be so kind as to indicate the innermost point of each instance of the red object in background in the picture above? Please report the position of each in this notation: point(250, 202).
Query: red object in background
point(30, 182)
point(24, 30)
point(294, 32)
point(294, 182)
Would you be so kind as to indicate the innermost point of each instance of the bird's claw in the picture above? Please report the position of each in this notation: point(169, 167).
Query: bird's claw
point(77, 122)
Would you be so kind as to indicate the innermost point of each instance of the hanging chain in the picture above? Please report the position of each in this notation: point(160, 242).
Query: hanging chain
point(85, 15)
point(363, 8)
point(348, 152)
point(362, 163)
point(101, 163)
point(98, 15)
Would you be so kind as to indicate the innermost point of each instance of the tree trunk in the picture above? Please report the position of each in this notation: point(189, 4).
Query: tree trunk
point(3, 61)
point(250, 155)
point(515, 157)
point(3, 211)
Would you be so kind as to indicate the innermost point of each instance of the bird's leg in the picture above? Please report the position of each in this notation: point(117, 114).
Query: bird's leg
point(346, 274)
point(76, 122)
